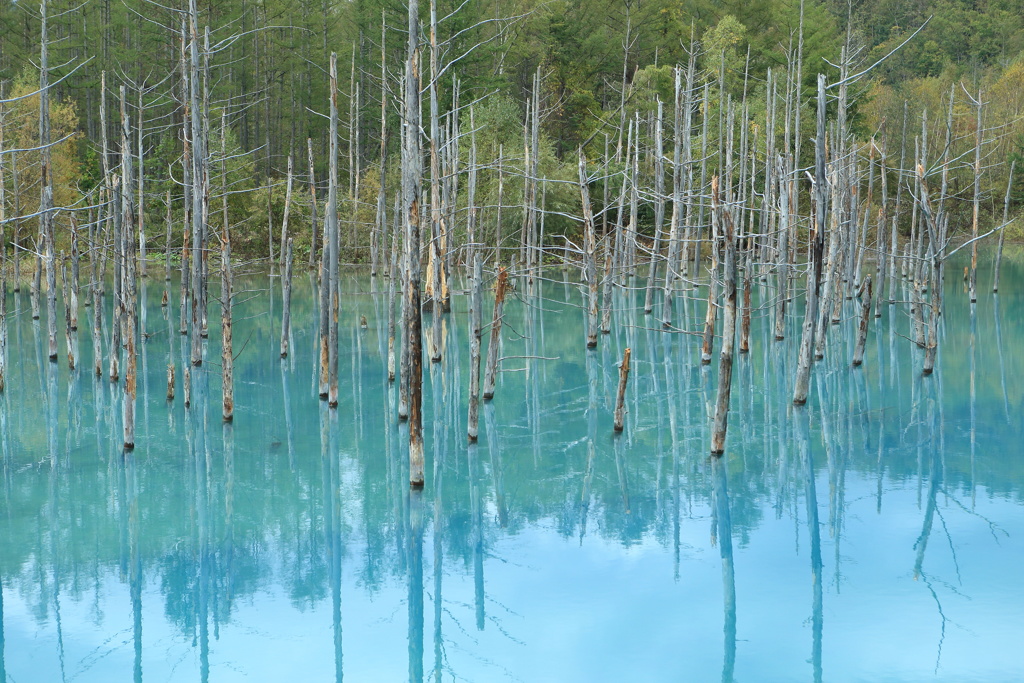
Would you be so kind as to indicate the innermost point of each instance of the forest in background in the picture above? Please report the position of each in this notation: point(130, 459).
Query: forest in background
point(600, 64)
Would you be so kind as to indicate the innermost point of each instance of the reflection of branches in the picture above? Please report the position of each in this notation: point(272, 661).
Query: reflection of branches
point(952, 549)
point(992, 526)
point(942, 615)
point(722, 528)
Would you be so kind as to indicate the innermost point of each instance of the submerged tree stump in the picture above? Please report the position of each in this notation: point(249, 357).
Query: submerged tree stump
point(620, 397)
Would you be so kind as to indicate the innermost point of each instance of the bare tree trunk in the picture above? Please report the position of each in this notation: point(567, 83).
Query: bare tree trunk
point(287, 210)
point(140, 213)
point(128, 292)
point(677, 256)
point(68, 332)
point(333, 253)
point(314, 223)
point(72, 293)
point(227, 362)
point(805, 357)
point(392, 298)
point(46, 186)
point(708, 340)
point(973, 285)
point(35, 284)
point(167, 248)
point(782, 288)
point(865, 317)
point(721, 422)
point(1002, 230)
point(501, 199)
point(494, 347)
point(620, 396)
point(199, 189)
point(286, 299)
point(589, 254)
point(748, 285)
point(475, 325)
point(659, 211)
point(411, 179)
point(97, 317)
point(187, 187)
point(379, 240)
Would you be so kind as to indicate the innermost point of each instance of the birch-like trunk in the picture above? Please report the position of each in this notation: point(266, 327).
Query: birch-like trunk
point(411, 178)
point(725, 361)
point(805, 356)
point(286, 299)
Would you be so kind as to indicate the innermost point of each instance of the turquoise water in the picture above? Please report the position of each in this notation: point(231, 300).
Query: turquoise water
point(875, 535)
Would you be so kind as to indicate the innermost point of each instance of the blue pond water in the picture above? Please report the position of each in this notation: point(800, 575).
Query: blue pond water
point(875, 535)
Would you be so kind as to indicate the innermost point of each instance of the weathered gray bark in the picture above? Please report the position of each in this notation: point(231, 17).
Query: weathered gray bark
point(782, 288)
point(46, 186)
point(140, 213)
point(379, 237)
point(167, 246)
point(35, 285)
point(199, 190)
point(72, 291)
point(286, 299)
point(725, 357)
point(187, 187)
point(227, 362)
point(314, 223)
point(129, 296)
point(392, 297)
point(659, 211)
point(411, 178)
point(673, 265)
point(620, 396)
point(865, 317)
point(589, 254)
point(973, 284)
point(805, 356)
point(68, 332)
point(333, 250)
point(1002, 231)
point(501, 196)
point(475, 325)
point(495, 345)
point(287, 211)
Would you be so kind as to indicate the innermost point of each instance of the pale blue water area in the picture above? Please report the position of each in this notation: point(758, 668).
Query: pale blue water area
point(875, 535)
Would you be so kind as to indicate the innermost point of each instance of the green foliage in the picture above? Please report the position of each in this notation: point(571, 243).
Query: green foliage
point(21, 131)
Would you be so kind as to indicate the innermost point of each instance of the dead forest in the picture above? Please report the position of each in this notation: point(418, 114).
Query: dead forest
point(748, 193)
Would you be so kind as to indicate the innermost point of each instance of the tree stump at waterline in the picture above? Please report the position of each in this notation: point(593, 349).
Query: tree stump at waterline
point(620, 398)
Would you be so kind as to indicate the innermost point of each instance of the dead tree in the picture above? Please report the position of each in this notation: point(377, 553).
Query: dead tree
point(725, 357)
point(1002, 231)
point(805, 356)
point(589, 254)
point(411, 179)
point(620, 396)
point(865, 318)
point(286, 299)
point(331, 272)
point(227, 361)
point(494, 347)
point(46, 186)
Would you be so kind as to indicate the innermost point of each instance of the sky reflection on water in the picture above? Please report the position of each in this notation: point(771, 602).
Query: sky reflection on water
point(289, 547)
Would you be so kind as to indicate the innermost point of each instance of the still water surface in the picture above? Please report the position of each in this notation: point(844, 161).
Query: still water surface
point(875, 535)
